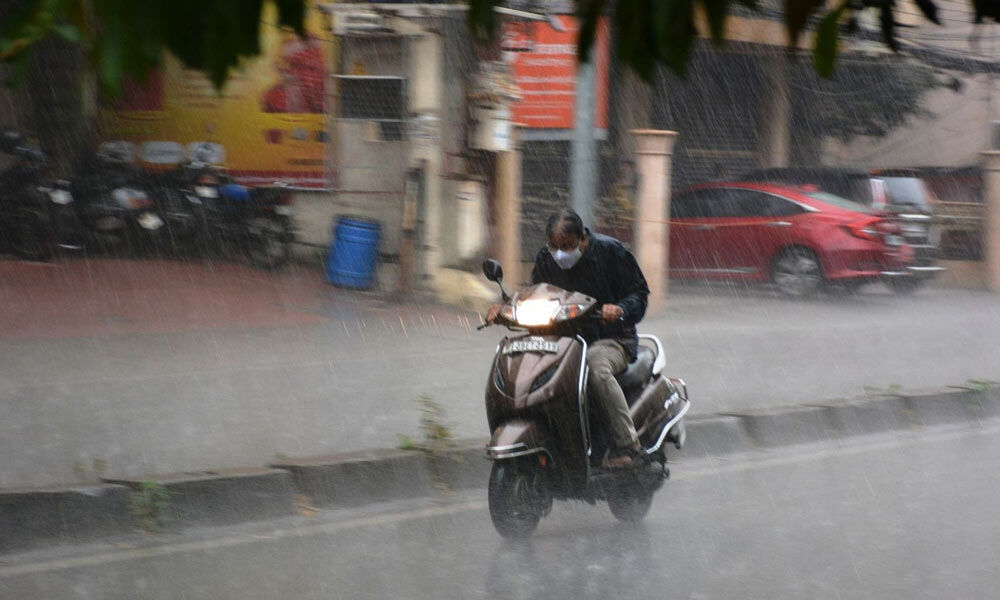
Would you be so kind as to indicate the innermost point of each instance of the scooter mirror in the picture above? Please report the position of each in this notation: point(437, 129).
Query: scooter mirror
point(492, 270)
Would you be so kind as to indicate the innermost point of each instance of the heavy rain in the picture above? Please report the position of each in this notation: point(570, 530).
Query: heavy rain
point(499, 299)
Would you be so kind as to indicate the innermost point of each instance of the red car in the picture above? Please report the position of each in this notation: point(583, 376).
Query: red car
point(796, 237)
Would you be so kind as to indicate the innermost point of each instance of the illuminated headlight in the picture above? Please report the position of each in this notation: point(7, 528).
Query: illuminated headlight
point(535, 313)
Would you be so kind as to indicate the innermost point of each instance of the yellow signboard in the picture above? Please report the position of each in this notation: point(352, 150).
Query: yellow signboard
point(268, 125)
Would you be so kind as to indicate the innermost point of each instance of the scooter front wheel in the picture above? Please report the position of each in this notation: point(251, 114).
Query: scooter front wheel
point(515, 507)
point(630, 503)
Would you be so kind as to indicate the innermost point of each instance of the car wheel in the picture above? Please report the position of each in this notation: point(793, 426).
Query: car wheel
point(797, 272)
point(905, 285)
point(844, 288)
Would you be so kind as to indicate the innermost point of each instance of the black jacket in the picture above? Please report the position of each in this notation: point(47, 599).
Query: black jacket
point(607, 272)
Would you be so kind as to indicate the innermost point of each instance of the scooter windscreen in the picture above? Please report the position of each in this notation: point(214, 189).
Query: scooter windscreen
point(543, 306)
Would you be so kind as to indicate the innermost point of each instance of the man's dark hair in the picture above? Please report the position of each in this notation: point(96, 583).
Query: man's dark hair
point(565, 221)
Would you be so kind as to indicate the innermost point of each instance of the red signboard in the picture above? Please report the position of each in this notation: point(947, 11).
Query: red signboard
point(543, 61)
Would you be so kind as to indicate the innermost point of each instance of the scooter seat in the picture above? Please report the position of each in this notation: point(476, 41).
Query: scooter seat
point(635, 377)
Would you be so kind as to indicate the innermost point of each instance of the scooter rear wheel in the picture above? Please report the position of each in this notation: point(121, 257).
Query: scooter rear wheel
point(630, 503)
point(514, 507)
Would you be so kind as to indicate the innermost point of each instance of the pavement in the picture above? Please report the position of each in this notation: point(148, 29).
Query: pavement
point(139, 370)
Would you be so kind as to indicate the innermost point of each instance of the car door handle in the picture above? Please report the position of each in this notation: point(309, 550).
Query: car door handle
point(703, 227)
point(779, 224)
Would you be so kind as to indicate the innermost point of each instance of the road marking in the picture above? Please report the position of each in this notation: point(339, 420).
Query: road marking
point(809, 454)
point(236, 540)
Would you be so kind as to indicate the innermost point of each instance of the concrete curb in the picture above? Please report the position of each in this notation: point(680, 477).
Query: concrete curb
point(221, 497)
point(33, 518)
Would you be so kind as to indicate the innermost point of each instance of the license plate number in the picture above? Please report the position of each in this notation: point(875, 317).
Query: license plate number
point(205, 191)
point(894, 240)
point(518, 346)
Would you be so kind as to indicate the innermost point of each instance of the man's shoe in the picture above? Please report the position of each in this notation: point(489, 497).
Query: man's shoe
point(678, 434)
point(623, 457)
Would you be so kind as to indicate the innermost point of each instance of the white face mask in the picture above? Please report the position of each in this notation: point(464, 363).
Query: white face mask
point(566, 260)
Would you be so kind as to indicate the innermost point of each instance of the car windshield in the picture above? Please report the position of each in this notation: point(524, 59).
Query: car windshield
point(840, 202)
point(907, 191)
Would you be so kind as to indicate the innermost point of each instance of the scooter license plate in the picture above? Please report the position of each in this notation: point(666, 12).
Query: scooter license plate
point(150, 221)
point(518, 346)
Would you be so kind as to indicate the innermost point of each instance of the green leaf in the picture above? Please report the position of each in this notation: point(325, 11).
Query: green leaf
point(828, 41)
point(797, 13)
point(716, 11)
point(68, 33)
point(482, 18)
point(929, 9)
point(589, 13)
point(291, 13)
point(887, 21)
point(674, 32)
point(17, 74)
point(110, 56)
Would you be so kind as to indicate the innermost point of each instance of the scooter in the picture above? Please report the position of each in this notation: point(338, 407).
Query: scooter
point(203, 208)
point(37, 212)
point(546, 444)
point(116, 202)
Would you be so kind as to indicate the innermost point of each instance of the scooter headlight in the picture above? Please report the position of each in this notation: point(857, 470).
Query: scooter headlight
point(536, 313)
point(507, 312)
point(129, 198)
point(569, 311)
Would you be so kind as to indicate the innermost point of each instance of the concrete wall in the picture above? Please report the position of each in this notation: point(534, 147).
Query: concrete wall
point(951, 135)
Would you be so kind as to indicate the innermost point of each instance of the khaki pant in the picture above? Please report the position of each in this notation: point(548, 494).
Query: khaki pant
point(607, 358)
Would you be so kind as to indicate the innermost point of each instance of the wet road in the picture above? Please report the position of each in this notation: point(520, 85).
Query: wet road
point(897, 517)
point(160, 367)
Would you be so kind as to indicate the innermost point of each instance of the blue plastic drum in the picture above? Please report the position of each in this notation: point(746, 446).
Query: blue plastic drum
point(353, 252)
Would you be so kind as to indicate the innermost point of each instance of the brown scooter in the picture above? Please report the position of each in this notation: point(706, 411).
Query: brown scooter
point(545, 442)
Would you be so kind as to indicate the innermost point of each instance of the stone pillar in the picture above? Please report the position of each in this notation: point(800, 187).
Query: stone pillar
point(653, 152)
point(425, 100)
point(508, 210)
point(991, 218)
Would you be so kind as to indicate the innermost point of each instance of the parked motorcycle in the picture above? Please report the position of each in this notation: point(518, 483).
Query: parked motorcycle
point(116, 204)
point(204, 209)
point(37, 214)
point(546, 444)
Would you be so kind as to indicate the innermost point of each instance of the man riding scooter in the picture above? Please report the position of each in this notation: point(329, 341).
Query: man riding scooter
point(599, 266)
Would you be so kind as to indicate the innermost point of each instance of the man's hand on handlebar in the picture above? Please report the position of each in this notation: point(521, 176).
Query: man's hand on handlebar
point(491, 316)
point(611, 312)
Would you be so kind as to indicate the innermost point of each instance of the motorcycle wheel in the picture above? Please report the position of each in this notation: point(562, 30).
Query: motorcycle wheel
point(514, 505)
point(630, 503)
point(269, 247)
point(32, 237)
